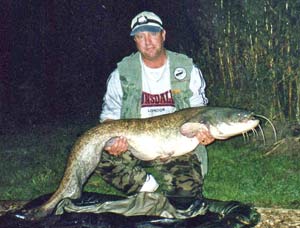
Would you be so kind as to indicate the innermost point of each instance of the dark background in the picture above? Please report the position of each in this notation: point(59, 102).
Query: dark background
point(57, 55)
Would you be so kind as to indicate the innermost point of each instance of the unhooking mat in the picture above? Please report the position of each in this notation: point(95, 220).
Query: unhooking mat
point(143, 210)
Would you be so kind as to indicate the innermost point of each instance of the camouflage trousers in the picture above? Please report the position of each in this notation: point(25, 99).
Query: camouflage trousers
point(179, 178)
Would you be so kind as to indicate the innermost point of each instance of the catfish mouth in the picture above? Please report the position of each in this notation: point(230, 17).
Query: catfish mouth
point(226, 130)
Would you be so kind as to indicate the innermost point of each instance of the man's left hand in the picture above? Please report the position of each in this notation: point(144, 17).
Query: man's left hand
point(204, 137)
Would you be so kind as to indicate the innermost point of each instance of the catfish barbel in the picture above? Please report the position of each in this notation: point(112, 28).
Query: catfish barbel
point(152, 138)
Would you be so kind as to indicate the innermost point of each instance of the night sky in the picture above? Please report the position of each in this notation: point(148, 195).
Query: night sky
point(57, 55)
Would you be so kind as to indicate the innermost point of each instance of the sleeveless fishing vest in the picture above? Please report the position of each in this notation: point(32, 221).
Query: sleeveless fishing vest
point(131, 81)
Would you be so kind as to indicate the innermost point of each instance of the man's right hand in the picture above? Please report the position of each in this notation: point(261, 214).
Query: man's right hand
point(119, 146)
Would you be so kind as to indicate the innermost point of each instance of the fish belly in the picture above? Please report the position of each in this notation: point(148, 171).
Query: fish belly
point(153, 147)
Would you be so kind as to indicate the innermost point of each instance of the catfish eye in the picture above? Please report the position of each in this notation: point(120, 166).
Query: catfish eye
point(241, 115)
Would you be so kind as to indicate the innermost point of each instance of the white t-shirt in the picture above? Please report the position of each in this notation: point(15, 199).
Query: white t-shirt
point(156, 92)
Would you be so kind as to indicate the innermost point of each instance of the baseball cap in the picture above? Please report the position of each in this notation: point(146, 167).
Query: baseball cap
point(146, 21)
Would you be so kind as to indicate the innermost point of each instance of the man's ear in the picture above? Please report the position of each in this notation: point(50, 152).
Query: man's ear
point(163, 33)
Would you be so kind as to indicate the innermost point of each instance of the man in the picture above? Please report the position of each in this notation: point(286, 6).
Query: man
point(151, 82)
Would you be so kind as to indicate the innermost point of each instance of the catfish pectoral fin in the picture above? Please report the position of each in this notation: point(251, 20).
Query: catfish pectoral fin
point(190, 129)
point(165, 158)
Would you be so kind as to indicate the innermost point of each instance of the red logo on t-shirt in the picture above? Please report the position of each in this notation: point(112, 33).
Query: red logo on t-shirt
point(163, 99)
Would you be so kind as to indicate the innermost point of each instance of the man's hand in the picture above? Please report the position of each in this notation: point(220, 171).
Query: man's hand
point(119, 146)
point(204, 137)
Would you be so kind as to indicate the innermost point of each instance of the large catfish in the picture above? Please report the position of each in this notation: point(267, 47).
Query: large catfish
point(158, 137)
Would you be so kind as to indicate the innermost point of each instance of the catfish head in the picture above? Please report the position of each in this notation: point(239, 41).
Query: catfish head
point(222, 123)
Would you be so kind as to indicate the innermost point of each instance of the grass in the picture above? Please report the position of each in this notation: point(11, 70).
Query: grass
point(243, 173)
point(32, 163)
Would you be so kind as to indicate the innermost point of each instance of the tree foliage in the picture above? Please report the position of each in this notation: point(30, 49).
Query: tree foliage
point(250, 53)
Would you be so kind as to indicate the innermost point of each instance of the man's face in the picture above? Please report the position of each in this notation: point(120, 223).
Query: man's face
point(150, 44)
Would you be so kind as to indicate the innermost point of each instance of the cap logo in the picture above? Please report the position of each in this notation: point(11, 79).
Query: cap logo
point(179, 73)
point(144, 20)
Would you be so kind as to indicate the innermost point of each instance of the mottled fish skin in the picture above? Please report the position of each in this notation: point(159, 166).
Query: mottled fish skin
point(11, 205)
point(162, 132)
